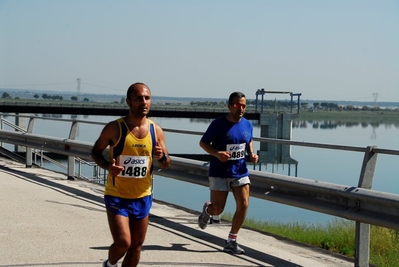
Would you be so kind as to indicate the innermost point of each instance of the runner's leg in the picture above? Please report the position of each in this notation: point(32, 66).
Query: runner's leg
point(119, 227)
point(241, 196)
point(218, 202)
point(138, 230)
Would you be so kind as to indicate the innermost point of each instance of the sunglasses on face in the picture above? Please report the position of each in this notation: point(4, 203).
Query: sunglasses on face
point(238, 105)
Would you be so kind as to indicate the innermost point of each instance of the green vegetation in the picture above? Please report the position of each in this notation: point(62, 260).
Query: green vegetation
point(55, 101)
point(351, 115)
point(337, 236)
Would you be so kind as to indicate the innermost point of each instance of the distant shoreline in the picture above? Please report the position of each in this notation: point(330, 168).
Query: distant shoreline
point(304, 114)
point(28, 94)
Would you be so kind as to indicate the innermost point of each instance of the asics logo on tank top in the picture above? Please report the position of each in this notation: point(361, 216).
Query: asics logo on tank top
point(134, 161)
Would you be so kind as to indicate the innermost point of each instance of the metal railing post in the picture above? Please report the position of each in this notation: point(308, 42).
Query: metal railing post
point(41, 158)
point(362, 247)
point(368, 168)
point(71, 159)
point(1, 126)
point(29, 129)
point(362, 231)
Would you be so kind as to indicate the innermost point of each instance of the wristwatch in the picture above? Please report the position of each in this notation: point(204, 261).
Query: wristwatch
point(164, 158)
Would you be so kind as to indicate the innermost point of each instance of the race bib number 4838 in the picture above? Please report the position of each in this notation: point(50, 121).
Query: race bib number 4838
point(134, 166)
point(237, 151)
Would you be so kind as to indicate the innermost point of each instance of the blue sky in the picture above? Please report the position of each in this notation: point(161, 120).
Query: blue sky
point(325, 50)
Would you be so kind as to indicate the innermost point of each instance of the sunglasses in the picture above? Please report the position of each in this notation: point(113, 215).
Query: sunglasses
point(238, 105)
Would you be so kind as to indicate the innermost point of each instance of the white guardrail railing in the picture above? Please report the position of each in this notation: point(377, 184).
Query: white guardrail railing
point(357, 203)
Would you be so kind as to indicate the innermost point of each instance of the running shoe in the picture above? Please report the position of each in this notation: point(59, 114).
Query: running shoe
point(204, 216)
point(233, 248)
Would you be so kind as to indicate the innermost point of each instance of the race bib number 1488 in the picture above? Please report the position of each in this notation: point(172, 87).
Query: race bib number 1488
point(134, 166)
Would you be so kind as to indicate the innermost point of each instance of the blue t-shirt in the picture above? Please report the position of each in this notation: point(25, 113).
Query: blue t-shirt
point(235, 137)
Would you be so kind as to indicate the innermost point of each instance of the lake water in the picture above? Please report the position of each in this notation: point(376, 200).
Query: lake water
point(335, 166)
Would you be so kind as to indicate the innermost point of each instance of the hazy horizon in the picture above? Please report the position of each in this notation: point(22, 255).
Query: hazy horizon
point(185, 97)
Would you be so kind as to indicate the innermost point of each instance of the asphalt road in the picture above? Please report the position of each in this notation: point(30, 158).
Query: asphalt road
point(47, 220)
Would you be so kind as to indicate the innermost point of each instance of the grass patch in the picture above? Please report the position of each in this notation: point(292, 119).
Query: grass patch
point(345, 116)
point(337, 236)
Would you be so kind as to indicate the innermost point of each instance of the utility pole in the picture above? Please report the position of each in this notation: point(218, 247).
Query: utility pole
point(375, 96)
point(78, 89)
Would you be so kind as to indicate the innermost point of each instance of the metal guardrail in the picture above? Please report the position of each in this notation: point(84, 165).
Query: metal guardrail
point(98, 173)
point(350, 202)
point(357, 203)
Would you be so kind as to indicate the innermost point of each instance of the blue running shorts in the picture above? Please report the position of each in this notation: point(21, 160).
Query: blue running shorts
point(136, 209)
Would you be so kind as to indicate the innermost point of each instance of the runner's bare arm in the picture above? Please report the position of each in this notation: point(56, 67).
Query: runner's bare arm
point(253, 156)
point(160, 151)
point(109, 135)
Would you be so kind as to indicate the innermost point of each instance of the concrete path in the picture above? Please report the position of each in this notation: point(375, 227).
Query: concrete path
point(46, 220)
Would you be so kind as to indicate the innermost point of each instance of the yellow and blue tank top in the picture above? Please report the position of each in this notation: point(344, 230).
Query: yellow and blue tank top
point(136, 157)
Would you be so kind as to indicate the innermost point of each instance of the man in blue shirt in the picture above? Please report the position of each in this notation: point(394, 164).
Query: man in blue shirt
point(227, 140)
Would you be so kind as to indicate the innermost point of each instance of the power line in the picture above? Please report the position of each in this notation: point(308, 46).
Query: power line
point(51, 84)
point(14, 85)
point(105, 87)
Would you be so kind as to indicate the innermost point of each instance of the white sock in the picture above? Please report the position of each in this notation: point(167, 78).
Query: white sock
point(232, 237)
point(111, 265)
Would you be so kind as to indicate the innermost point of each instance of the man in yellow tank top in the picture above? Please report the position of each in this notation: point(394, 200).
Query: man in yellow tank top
point(134, 142)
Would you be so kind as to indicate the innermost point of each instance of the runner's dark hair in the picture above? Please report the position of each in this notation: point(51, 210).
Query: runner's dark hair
point(133, 87)
point(235, 94)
